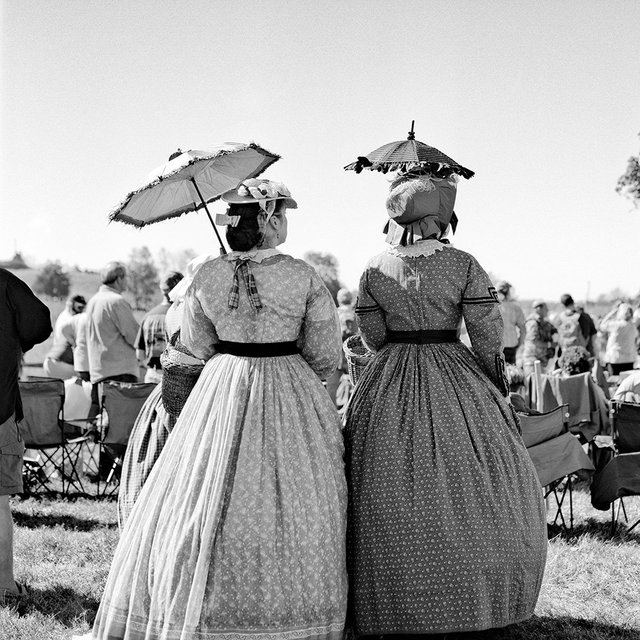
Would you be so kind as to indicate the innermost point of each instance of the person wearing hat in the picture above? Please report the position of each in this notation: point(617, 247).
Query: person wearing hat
point(240, 528)
point(539, 341)
point(513, 319)
point(434, 457)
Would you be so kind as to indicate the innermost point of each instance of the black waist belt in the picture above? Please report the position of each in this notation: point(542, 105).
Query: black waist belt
point(435, 336)
point(258, 349)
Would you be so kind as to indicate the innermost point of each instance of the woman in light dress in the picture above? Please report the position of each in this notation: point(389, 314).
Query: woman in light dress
point(239, 529)
point(447, 529)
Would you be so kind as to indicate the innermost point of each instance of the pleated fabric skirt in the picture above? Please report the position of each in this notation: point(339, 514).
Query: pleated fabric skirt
point(239, 529)
point(447, 527)
point(148, 437)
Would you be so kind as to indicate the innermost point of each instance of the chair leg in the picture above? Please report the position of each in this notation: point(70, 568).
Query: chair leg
point(570, 486)
point(624, 510)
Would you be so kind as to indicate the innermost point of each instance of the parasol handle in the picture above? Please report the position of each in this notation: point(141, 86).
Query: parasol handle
point(223, 251)
point(412, 135)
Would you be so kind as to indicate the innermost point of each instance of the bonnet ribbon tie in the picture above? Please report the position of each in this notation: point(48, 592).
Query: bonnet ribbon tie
point(250, 285)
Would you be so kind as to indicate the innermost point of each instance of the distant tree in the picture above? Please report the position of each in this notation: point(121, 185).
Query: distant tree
point(143, 278)
point(326, 265)
point(629, 183)
point(52, 281)
point(183, 258)
point(164, 260)
point(174, 260)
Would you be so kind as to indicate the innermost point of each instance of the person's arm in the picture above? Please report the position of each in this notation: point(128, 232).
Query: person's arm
point(197, 332)
point(68, 332)
point(125, 321)
point(320, 336)
point(604, 323)
point(370, 316)
point(520, 324)
point(532, 330)
point(481, 311)
point(33, 319)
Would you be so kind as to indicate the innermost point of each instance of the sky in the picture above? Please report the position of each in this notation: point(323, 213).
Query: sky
point(541, 99)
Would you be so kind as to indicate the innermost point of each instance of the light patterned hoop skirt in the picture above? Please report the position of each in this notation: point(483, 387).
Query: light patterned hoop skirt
point(239, 530)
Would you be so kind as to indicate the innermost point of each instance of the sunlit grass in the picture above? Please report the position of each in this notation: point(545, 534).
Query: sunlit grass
point(63, 550)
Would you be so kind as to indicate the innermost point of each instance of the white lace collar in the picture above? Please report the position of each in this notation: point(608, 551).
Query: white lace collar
point(255, 255)
point(420, 248)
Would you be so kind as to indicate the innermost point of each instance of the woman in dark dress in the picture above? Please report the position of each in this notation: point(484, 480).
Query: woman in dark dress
point(447, 529)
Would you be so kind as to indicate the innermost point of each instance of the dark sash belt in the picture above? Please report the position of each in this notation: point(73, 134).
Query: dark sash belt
point(258, 349)
point(434, 336)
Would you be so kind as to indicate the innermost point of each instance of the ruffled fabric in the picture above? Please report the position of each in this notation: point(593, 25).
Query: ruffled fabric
point(421, 248)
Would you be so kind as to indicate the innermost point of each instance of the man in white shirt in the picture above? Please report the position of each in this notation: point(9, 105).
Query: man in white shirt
point(111, 333)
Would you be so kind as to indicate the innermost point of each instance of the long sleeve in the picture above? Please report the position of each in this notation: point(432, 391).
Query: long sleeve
point(33, 319)
point(320, 336)
point(370, 315)
point(197, 332)
point(480, 308)
point(69, 332)
point(127, 324)
point(520, 323)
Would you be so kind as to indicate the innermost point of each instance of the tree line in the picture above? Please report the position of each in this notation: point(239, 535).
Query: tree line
point(144, 272)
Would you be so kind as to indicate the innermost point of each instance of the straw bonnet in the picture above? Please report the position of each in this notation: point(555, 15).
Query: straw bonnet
point(420, 207)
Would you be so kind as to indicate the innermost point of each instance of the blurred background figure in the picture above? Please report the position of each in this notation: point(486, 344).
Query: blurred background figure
point(620, 354)
point(80, 352)
point(575, 326)
point(517, 389)
point(152, 336)
point(539, 341)
point(111, 333)
point(338, 385)
point(58, 363)
point(629, 389)
point(513, 318)
point(348, 328)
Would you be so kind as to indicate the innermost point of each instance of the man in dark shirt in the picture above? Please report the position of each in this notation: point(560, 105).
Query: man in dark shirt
point(24, 322)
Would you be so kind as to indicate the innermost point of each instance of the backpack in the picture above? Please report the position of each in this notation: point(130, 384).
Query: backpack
point(569, 331)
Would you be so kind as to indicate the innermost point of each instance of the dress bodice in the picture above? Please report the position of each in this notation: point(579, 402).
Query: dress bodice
point(296, 306)
point(409, 290)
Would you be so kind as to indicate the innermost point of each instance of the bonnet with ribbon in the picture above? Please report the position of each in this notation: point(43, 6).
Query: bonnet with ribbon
point(266, 194)
point(420, 206)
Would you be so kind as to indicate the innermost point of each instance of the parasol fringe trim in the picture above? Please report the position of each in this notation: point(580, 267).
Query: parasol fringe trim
point(115, 212)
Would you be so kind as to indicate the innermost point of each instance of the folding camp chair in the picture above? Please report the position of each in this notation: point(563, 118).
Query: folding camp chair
point(556, 455)
point(120, 403)
point(620, 477)
point(44, 430)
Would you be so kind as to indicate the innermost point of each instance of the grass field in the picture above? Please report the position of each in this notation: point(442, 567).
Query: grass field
point(63, 550)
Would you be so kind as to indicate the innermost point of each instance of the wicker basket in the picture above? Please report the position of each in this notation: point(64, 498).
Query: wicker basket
point(358, 357)
point(180, 374)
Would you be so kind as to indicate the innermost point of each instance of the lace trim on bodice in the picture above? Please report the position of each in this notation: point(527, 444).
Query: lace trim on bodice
point(255, 255)
point(420, 248)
